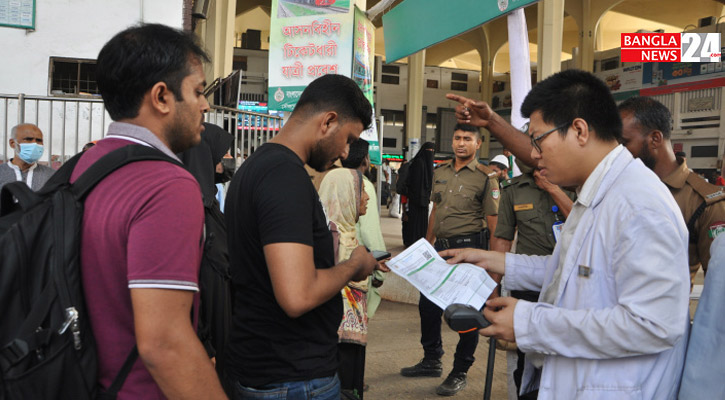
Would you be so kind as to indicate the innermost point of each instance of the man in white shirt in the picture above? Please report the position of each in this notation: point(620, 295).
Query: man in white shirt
point(612, 318)
point(27, 142)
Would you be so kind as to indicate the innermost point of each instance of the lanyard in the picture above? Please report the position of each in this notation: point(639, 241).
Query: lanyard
point(19, 175)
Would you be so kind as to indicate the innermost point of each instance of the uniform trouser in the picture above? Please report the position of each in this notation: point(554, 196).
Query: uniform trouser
point(430, 336)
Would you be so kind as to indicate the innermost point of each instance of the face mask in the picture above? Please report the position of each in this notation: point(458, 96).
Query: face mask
point(229, 168)
point(29, 152)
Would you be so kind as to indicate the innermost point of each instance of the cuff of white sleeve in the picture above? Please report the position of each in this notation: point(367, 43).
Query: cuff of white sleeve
point(522, 324)
point(510, 272)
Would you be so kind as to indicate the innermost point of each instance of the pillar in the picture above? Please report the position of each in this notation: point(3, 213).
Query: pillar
point(217, 32)
point(486, 95)
point(587, 35)
point(550, 33)
point(414, 113)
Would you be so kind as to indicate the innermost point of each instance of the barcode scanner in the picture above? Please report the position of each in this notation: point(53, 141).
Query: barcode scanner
point(463, 318)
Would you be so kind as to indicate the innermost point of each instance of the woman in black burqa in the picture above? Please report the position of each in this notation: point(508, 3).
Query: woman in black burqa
point(418, 183)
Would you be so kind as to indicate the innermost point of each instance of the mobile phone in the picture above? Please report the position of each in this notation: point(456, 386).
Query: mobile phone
point(380, 255)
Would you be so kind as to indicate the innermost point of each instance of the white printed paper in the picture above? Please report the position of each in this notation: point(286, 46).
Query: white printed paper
point(442, 283)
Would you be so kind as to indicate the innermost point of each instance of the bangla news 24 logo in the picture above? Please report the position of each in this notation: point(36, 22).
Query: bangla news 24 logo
point(671, 47)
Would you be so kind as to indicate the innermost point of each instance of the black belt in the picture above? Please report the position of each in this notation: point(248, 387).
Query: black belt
point(473, 240)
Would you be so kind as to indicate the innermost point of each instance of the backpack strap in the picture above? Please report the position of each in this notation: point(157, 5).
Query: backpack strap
point(78, 190)
point(118, 381)
point(694, 237)
point(61, 176)
point(28, 338)
point(82, 186)
point(114, 160)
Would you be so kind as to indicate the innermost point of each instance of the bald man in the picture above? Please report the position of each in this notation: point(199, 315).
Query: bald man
point(27, 142)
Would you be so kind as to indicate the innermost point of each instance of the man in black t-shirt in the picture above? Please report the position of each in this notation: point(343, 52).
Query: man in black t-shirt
point(287, 303)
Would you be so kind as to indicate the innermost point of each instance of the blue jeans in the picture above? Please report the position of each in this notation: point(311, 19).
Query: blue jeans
point(319, 389)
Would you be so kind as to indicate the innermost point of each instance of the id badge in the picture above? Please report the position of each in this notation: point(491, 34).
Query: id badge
point(557, 228)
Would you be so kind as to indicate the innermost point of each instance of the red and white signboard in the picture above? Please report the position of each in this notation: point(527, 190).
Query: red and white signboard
point(670, 47)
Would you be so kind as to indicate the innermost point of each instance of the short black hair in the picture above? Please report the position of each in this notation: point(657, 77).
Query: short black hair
point(572, 94)
point(467, 128)
point(650, 114)
point(357, 153)
point(680, 154)
point(136, 59)
point(335, 93)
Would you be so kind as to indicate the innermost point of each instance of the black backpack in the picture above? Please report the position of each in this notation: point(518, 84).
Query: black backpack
point(215, 313)
point(47, 349)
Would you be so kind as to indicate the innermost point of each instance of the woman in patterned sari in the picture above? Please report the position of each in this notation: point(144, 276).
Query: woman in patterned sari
point(344, 200)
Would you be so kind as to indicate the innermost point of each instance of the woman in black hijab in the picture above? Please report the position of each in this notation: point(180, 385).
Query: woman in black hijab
point(202, 160)
point(419, 183)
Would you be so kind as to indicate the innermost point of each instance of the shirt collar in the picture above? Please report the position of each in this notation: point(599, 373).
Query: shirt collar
point(527, 178)
point(678, 177)
point(12, 165)
point(471, 165)
point(139, 133)
point(585, 195)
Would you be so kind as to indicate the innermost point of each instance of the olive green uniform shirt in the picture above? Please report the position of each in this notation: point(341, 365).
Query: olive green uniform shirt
point(689, 191)
point(524, 205)
point(463, 199)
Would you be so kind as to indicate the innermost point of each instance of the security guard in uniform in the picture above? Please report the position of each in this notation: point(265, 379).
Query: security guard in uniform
point(533, 206)
point(646, 134)
point(465, 204)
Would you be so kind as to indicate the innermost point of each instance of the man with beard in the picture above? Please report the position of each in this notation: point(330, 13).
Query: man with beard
point(646, 134)
point(142, 224)
point(287, 304)
point(27, 142)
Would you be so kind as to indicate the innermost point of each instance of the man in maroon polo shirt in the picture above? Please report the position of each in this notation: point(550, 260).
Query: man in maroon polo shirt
point(142, 225)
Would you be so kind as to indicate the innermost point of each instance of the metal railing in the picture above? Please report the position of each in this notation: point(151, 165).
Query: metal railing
point(69, 123)
point(250, 129)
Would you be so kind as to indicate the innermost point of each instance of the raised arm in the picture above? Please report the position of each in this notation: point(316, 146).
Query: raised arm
point(480, 114)
point(562, 201)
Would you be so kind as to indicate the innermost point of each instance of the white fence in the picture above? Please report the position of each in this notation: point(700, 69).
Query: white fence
point(250, 130)
point(69, 123)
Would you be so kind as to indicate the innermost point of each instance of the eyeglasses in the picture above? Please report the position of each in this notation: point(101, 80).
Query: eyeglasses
point(536, 140)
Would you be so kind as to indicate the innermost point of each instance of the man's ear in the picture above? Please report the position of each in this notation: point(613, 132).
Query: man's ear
point(327, 121)
point(582, 132)
point(12, 143)
point(160, 98)
point(655, 139)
